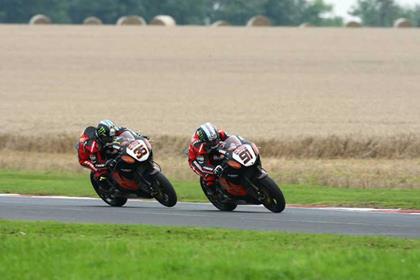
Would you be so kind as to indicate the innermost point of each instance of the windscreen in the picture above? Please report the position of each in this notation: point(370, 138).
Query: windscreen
point(125, 138)
point(231, 143)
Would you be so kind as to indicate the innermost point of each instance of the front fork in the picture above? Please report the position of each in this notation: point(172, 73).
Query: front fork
point(146, 175)
point(253, 189)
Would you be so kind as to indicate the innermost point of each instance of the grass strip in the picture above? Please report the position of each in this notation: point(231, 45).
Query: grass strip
point(78, 185)
point(47, 250)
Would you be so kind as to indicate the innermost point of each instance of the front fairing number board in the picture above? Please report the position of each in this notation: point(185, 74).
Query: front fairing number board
point(245, 155)
point(138, 150)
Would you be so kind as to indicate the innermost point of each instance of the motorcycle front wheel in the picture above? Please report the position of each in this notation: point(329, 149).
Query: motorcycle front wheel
point(164, 191)
point(108, 198)
point(273, 198)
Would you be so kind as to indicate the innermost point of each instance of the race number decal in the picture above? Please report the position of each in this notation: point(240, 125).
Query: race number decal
point(245, 155)
point(138, 150)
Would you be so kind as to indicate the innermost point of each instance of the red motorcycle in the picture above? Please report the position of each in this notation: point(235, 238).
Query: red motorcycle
point(243, 181)
point(134, 174)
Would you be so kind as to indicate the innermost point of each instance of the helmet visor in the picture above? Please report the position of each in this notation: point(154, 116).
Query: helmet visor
point(213, 143)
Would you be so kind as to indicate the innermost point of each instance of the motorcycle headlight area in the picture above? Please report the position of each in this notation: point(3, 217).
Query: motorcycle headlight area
point(234, 164)
point(128, 159)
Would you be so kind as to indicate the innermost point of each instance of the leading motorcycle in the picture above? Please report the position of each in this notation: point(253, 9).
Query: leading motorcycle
point(243, 180)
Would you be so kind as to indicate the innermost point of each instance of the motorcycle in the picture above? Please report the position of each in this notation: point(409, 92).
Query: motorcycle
point(134, 174)
point(243, 180)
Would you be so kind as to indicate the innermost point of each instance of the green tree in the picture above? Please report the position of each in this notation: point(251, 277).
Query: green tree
point(287, 12)
point(314, 12)
point(281, 12)
point(107, 10)
point(237, 12)
point(377, 12)
point(413, 14)
point(20, 11)
point(183, 11)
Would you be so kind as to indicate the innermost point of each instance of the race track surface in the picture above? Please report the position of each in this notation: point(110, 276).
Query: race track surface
point(309, 220)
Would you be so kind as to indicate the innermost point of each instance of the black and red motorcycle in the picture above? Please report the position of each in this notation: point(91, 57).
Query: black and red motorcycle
point(134, 173)
point(243, 180)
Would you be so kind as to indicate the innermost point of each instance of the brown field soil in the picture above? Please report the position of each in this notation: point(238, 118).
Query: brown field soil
point(266, 82)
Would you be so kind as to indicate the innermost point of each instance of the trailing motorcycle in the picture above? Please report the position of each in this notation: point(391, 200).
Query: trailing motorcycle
point(243, 180)
point(134, 174)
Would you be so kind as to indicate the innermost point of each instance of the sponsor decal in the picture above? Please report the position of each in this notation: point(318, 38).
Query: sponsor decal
point(101, 131)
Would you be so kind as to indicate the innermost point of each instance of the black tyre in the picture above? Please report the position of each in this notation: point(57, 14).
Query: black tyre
point(110, 199)
point(273, 197)
point(216, 200)
point(165, 192)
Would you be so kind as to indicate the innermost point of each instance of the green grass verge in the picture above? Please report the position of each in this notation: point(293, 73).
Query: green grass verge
point(45, 250)
point(79, 185)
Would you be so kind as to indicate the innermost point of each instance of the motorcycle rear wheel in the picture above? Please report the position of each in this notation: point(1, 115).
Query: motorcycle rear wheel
point(107, 198)
point(215, 200)
point(274, 198)
point(166, 194)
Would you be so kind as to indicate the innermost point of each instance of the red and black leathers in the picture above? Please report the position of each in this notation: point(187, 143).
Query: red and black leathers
point(202, 159)
point(91, 152)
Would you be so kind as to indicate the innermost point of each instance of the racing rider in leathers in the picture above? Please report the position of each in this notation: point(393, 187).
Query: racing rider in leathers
point(92, 148)
point(202, 156)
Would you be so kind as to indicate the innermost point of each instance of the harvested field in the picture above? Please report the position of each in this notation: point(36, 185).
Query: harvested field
point(269, 82)
point(338, 107)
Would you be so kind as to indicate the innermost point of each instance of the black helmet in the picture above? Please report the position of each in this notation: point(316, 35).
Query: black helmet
point(105, 131)
point(208, 134)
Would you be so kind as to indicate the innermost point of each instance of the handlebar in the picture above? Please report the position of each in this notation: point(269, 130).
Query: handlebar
point(114, 146)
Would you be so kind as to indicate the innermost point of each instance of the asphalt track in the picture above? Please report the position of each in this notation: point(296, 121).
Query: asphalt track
point(309, 220)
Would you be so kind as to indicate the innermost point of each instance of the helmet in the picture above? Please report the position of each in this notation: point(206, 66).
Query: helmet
point(105, 131)
point(208, 134)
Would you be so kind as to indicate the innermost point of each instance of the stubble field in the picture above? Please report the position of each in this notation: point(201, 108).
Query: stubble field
point(330, 106)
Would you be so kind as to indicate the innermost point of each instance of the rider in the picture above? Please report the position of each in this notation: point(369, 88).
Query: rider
point(202, 155)
point(92, 144)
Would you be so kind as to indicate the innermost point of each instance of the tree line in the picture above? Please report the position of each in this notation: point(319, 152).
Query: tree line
point(202, 12)
point(384, 12)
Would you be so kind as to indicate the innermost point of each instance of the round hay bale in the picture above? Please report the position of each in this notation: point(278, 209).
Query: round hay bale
point(402, 23)
point(220, 23)
point(353, 24)
point(131, 20)
point(40, 19)
point(259, 21)
point(92, 21)
point(306, 24)
point(163, 20)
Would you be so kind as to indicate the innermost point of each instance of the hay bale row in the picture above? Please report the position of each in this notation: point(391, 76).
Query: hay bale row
point(259, 21)
point(92, 21)
point(220, 23)
point(39, 19)
point(131, 20)
point(160, 20)
point(165, 20)
point(353, 24)
point(402, 23)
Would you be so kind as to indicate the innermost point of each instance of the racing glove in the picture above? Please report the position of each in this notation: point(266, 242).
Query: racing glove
point(110, 163)
point(218, 170)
